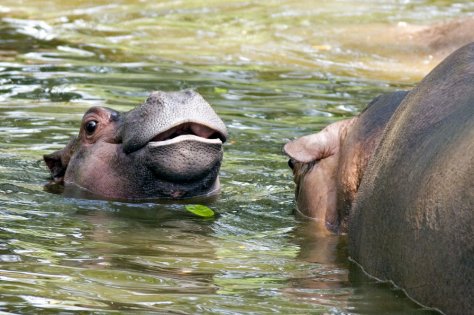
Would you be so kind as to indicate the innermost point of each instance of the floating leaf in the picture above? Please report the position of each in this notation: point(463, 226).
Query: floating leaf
point(219, 90)
point(200, 210)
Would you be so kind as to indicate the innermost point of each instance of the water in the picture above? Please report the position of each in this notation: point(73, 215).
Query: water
point(273, 70)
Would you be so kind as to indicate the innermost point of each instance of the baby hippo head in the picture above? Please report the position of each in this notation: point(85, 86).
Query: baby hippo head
point(314, 160)
point(168, 147)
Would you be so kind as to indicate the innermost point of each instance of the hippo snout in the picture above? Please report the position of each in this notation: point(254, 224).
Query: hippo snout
point(169, 114)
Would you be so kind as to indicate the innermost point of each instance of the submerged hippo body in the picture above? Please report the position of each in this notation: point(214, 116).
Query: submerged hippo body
point(404, 193)
point(168, 147)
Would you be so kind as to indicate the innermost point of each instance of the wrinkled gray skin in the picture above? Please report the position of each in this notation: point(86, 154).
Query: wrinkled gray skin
point(168, 147)
point(404, 185)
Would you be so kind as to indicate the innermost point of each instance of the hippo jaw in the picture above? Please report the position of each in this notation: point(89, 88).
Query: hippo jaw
point(184, 153)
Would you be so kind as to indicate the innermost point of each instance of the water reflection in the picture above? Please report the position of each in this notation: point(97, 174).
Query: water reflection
point(337, 279)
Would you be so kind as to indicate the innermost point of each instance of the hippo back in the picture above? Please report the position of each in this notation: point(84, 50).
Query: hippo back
point(359, 147)
point(413, 220)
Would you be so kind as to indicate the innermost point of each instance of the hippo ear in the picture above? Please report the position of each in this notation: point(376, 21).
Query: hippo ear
point(308, 148)
point(58, 161)
point(55, 165)
point(318, 146)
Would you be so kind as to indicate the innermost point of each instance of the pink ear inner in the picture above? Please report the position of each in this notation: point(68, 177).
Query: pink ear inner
point(319, 145)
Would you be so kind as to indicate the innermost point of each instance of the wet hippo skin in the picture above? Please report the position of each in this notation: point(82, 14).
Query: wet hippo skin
point(400, 181)
point(168, 147)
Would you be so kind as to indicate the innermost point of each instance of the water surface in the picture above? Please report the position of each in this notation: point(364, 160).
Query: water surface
point(273, 70)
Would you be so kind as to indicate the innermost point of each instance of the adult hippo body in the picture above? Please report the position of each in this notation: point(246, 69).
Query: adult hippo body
point(403, 185)
point(168, 147)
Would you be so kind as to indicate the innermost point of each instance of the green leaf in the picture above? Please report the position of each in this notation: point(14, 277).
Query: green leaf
point(200, 210)
point(219, 90)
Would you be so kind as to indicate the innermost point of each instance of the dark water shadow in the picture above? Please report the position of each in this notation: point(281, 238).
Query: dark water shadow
point(336, 274)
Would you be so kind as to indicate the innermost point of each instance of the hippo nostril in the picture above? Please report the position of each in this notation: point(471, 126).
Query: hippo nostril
point(291, 163)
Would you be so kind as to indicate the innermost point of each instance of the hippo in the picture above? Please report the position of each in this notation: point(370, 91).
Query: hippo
point(398, 179)
point(171, 146)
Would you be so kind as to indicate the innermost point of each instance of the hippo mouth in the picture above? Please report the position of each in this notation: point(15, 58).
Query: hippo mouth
point(187, 152)
point(188, 131)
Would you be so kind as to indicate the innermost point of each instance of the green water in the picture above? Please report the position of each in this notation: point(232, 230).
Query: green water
point(273, 70)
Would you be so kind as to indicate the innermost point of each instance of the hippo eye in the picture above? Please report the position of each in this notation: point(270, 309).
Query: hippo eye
point(91, 126)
